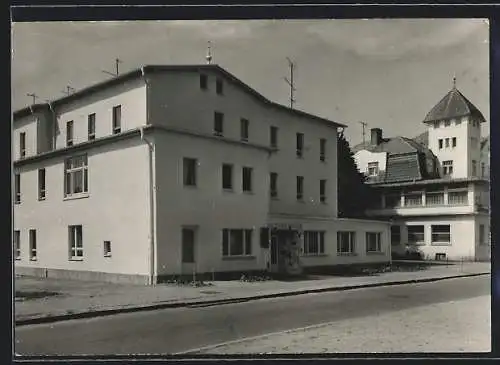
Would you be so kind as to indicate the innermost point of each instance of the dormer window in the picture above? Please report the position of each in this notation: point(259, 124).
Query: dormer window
point(373, 168)
point(447, 123)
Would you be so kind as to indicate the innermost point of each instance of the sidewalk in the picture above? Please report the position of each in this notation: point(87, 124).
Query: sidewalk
point(75, 299)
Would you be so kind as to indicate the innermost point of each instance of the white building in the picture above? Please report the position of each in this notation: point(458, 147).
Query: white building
point(175, 170)
point(434, 188)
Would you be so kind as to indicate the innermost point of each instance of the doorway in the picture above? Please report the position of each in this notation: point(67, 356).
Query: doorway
point(188, 250)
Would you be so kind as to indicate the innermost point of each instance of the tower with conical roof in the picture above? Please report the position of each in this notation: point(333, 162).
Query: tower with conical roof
point(454, 126)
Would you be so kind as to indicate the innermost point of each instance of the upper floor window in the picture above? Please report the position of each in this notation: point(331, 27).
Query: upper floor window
point(244, 126)
point(373, 168)
point(447, 142)
point(203, 82)
point(219, 86)
point(440, 143)
point(447, 168)
point(91, 126)
point(274, 184)
point(483, 169)
point(322, 149)
point(218, 124)
point(474, 167)
point(117, 119)
point(227, 177)
point(189, 171)
point(413, 199)
point(454, 142)
point(76, 175)
point(322, 191)
point(22, 144)
point(247, 179)
point(17, 188)
point(447, 123)
point(41, 184)
point(17, 245)
point(69, 133)
point(273, 138)
point(300, 187)
point(300, 144)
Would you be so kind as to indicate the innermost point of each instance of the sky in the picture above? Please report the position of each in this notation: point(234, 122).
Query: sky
point(385, 72)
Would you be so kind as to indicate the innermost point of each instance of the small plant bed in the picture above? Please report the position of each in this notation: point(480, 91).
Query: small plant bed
point(21, 296)
point(186, 282)
point(409, 266)
point(254, 278)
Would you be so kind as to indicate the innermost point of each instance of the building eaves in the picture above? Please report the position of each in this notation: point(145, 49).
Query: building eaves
point(432, 181)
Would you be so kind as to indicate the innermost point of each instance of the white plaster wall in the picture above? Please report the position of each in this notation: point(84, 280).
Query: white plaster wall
point(363, 157)
point(28, 125)
point(116, 209)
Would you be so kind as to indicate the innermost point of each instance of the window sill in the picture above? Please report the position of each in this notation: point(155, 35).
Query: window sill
point(314, 255)
point(76, 259)
point(107, 256)
point(228, 190)
point(33, 259)
point(76, 196)
point(242, 257)
point(440, 243)
point(42, 199)
point(347, 254)
point(375, 253)
point(244, 140)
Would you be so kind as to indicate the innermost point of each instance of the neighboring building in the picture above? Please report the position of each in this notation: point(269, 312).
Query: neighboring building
point(171, 170)
point(433, 188)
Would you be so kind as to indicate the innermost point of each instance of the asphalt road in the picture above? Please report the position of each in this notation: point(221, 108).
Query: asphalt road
point(175, 330)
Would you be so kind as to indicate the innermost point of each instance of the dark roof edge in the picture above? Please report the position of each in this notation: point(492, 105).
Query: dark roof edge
point(431, 181)
point(157, 68)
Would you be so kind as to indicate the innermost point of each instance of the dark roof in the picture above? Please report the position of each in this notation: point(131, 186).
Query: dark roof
point(422, 139)
point(159, 68)
point(454, 104)
point(30, 110)
point(403, 168)
point(394, 145)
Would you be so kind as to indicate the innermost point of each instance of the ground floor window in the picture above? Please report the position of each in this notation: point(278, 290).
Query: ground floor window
point(441, 233)
point(236, 242)
point(314, 242)
point(188, 245)
point(345, 242)
point(17, 245)
point(373, 242)
point(75, 242)
point(32, 244)
point(395, 235)
point(416, 235)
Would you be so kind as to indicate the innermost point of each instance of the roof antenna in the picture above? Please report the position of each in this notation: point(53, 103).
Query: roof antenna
point(34, 96)
point(117, 71)
point(69, 90)
point(208, 57)
point(454, 81)
point(291, 64)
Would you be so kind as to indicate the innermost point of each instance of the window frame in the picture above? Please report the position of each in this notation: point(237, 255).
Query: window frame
point(231, 177)
point(378, 242)
point(351, 243)
point(17, 188)
point(247, 247)
point(447, 167)
point(22, 145)
point(192, 256)
point(107, 248)
point(219, 86)
point(203, 81)
point(186, 164)
point(322, 149)
point(42, 184)
point(374, 166)
point(414, 234)
point(273, 180)
point(70, 131)
point(313, 239)
point(73, 171)
point(322, 190)
point(440, 143)
point(244, 129)
point(33, 245)
point(273, 136)
point(218, 122)
point(247, 180)
point(75, 251)
point(299, 186)
point(398, 227)
point(17, 244)
point(116, 126)
point(91, 118)
point(438, 242)
point(454, 142)
point(299, 144)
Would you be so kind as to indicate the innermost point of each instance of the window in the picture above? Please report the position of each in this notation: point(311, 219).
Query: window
point(227, 177)
point(17, 188)
point(345, 242)
point(236, 242)
point(76, 175)
point(483, 169)
point(314, 242)
point(91, 127)
point(322, 191)
point(32, 251)
point(413, 199)
point(188, 256)
point(372, 168)
point(441, 233)
point(273, 137)
point(300, 144)
point(300, 187)
point(474, 167)
point(447, 142)
point(75, 243)
point(482, 235)
point(219, 86)
point(69, 133)
point(107, 248)
point(447, 123)
point(440, 143)
point(189, 171)
point(218, 124)
point(373, 242)
point(22, 144)
point(244, 124)
point(395, 235)
point(41, 184)
point(434, 198)
point(458, 197)
point(247, 179)
point(17, 245)
point(322, 149)
point(274, 184)
point(117, 119)
point(392, 200)
point(416, 235)
point(447, 168)
point(454, 142)
point(203, 82)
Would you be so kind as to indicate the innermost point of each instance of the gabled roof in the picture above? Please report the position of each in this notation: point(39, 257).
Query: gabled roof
point(393, 145)
point(140, 72)
point(454, 104)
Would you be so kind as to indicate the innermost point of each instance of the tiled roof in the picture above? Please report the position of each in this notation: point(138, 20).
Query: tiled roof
point(423, 139)
point(454, 104)
point(403, 168)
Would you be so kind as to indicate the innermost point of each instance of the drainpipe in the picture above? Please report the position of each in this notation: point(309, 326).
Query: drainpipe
point(151, 193)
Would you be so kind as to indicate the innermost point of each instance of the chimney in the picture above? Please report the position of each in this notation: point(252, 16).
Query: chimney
point(376, 136)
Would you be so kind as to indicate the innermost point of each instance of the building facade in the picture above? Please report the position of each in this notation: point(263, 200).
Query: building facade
point(435, 188)
point(179, 170)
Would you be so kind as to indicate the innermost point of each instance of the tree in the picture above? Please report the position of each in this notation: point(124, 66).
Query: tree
point(354, 195)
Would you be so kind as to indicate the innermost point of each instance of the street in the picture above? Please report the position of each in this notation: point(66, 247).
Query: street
point(176, 330)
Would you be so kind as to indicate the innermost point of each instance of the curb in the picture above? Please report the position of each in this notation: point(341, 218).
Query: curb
point(208, 303)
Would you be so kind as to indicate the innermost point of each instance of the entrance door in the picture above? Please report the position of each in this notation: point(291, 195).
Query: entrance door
point(274, 265)
point(188, 251)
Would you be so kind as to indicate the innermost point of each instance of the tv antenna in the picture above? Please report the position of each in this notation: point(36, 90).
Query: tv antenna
point(34, 96)
point(290, 82)
point(117, 69)
point(363, 124)
point(69, 90)
point(208, 57)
